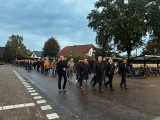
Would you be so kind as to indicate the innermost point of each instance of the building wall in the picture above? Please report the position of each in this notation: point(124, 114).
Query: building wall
point(90, 53)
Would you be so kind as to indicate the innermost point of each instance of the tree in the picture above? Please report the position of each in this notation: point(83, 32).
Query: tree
point(16, 43)
point(7, 53)
point(151, 48)
point(122, 24)
point(19, 54)
point(153, 18)
point(51, 48)
point(28, 53)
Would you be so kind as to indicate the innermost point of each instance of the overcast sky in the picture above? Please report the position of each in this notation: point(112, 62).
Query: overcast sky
point(38, 20)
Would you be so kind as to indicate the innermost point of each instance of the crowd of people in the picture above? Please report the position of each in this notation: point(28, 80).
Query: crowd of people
point(98, 71)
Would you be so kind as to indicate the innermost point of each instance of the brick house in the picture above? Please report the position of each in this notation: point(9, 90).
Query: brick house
point(78, 49)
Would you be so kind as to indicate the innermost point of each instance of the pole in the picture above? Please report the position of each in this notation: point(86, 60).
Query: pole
point(136, 52)
point(16, 54)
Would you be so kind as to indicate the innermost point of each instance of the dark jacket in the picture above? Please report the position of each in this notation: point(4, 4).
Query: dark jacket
point(91, 65)
point(77, 66)
point(26, 64)
point(34, 64)
point(83, 71)
point(105, 63)
point(98, 69)
point(29, 63)
point(110, 69)
point(42, 64)
point(60, 66)
point(122, 69)
point(38, 63)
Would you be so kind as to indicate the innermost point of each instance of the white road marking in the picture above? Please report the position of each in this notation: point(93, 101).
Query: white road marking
point(8, 107)
point(16, 106)
point(29, 104)
point(34, 93)
point(19, 106)
point(37, 97)
point(41, 101)
point(47, 107)
point(52, 116)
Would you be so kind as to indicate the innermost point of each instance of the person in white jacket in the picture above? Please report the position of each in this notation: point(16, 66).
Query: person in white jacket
point(70, 71)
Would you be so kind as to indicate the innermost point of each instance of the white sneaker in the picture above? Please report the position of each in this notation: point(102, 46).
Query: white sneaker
point(76, 81)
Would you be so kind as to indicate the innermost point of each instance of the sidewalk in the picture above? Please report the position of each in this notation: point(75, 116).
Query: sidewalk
point(19, 101)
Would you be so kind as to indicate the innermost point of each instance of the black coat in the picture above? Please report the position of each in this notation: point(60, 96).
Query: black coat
point(110, 69)
point(83, 71)
point(105, 63)
point(77, 66)
point(98, 69)
point(60, 67)
point(42, 64)
point(29, 63)
point(122, 69)
point(38, 63)
point(91, 65)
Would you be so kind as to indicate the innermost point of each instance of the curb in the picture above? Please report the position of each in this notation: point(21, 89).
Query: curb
point(48, 110)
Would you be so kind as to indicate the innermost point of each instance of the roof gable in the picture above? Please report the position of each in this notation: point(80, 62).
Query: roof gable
point(38, 53)
point(75, 49)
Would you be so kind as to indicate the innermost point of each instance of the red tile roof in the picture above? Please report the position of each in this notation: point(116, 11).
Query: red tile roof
point(75, 49)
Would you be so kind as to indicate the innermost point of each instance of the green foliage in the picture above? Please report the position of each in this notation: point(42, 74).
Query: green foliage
point(1, 63)
point(28, 53)
point(16, 43)
point(119, 24)
point(7, 53)
point(76, 58)
point(19, 54)
point(151, 48)
point(51, 48)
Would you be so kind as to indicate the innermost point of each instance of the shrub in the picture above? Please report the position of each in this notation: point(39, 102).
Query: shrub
point(1, 63)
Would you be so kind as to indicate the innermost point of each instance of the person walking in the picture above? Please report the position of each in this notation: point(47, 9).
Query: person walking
point(62, 68)
point(42, 66)
point(98, 69)
point(29, 64)
point(109, 71)
point(34, 64)
point(38, 65)
point(54, 66)
point(46, 66)
point(123, 70)
point(26, 64)
point(91, 67)
point(105, 65)
point(83, 71)
point(77, 67)
point(70, 69)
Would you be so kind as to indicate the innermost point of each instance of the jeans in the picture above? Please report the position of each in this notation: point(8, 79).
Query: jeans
point(84, 84)
point(70, 73)
point(42, 69)
point(46, 71)
point(100, 84)
point(59, 81)
point(110, 80)
point(37, 67)
point(92, 78)
point(123, 81)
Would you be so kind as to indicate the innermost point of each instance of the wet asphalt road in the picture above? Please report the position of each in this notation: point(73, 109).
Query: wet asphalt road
point(137, 103)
